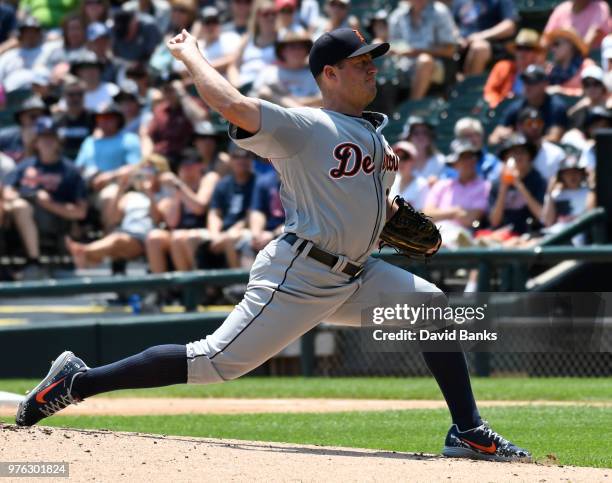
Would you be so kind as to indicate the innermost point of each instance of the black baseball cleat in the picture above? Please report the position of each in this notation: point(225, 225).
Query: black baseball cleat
point(54, 392)
point(482, 443)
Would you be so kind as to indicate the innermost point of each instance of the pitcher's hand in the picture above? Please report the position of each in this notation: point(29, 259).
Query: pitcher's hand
point(183, 45)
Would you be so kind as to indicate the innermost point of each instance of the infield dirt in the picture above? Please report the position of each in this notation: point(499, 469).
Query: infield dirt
point(111, 456)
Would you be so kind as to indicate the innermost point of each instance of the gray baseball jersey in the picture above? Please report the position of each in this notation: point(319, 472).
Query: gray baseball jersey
point(336, 171)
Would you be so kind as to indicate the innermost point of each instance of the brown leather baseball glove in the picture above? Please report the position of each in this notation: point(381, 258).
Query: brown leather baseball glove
point(410, 232)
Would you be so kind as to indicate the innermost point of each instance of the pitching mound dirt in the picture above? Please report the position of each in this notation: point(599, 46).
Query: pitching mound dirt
point(109, 456)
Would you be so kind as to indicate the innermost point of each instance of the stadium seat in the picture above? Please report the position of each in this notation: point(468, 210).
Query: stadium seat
point(428, 107)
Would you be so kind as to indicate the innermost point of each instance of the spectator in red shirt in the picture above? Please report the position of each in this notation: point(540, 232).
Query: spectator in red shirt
point(504, 80)
point(170, 129)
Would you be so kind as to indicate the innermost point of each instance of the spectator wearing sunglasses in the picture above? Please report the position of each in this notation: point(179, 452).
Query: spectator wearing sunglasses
point(75, 122)
point(505, 78)
point(256, 50)
point(595, 94)
point(286, 16)
point(569, 58)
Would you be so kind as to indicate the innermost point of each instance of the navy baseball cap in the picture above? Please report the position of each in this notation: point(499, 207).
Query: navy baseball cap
point(332, 47)
point(45, 125)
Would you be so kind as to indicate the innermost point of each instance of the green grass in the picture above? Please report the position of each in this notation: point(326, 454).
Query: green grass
point(516, 388)
point(575, 436)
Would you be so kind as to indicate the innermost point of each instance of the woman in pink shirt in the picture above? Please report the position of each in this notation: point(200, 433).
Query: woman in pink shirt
point(590, 18)
point(455, 204)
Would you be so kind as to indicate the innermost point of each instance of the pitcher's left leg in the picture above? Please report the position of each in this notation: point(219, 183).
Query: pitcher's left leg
point(468, 435)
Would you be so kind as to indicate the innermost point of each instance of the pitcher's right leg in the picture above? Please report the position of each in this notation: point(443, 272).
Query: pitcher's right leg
point(287, 296)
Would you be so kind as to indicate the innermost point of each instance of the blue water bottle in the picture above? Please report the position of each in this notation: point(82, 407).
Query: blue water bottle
point(135, 303)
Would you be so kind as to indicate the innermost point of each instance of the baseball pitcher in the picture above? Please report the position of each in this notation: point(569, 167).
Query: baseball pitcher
point(336, 169)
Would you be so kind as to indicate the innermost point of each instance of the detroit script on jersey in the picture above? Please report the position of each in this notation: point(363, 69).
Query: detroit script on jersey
point(335, 169)
point(352, 160)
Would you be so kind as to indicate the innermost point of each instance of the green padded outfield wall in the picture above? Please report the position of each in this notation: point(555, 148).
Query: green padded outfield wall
point(96, 341)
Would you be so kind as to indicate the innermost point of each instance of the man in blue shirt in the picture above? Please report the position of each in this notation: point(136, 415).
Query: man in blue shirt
point(484, 26)
point(227, 215)
point(105, 156)
point(44, 193)
point(552, 109)
point(266, 214)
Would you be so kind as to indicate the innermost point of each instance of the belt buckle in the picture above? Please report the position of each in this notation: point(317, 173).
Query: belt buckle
point(359, 272)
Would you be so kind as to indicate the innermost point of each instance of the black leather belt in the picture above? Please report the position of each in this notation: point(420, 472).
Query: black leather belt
point(322, 256)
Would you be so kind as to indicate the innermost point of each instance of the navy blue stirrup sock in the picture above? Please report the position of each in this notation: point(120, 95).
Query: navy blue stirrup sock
point(451, 373)
point(161, 365)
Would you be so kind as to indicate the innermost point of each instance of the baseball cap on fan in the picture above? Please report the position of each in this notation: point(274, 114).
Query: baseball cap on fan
point(332, 47)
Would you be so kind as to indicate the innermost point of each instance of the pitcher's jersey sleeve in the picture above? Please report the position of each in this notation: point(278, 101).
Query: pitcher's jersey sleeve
point(283, 132)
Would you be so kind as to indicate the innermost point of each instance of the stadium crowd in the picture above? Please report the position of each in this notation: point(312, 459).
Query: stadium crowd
point(106, 151)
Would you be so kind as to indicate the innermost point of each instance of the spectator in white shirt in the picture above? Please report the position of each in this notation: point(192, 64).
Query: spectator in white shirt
point(412, 188)
point(87, 67)
point(289, 83)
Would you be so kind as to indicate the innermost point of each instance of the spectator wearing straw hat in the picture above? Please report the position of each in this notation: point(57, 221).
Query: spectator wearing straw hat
point(289, 83)
point(505, 78)
point(569, 58)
